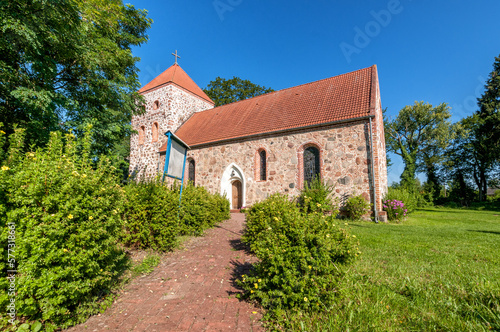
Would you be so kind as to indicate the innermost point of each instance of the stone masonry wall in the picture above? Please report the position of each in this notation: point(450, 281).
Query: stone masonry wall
point(344, 161)
point(175, 106)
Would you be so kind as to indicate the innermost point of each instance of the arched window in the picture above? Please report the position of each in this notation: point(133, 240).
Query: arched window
point(155, 132)
point(141, 135)
point(191, 171)
point(156, 104)
point(311, 164)
point(263, 165)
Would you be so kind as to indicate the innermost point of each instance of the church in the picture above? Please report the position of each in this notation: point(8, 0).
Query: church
point(277, 142)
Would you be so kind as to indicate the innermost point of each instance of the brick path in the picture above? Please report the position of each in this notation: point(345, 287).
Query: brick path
point(191, 290)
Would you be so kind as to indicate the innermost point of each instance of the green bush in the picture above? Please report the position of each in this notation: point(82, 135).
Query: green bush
point(356, 207)
point(302, 256)
point(153, 218)
point(150, 215)
point(64, 213)
point(201, 210)
point(410, 200)
point(317, 197)
point(268, 214)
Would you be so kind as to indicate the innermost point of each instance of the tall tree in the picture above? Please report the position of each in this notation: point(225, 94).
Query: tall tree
point(415, 133)
point(68, 63)
point(223, 91)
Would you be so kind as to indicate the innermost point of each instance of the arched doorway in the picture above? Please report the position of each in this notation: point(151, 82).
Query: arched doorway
point(237, 197)
point(233, 185)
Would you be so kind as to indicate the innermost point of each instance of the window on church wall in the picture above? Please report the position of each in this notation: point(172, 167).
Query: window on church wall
point(191, 171)
point(156, 105)
point(141, 135)
point(263, 165)
point(155, 132)
point(311, 164)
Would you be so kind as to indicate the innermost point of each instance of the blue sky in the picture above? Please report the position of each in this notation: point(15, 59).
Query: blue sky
point(435, 51)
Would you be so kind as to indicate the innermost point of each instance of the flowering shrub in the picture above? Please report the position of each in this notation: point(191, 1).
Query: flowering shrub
point(302, 256)
point(65, 211)
point(396, 210)
point(316, 197)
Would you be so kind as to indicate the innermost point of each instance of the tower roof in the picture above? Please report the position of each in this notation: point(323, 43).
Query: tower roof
point(341, 98)
point(175, 75)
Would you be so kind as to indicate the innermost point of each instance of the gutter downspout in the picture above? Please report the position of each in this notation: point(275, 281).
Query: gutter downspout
point(375, 212)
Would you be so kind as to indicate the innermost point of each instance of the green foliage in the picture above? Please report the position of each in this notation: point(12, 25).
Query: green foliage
point(151, 215)
point(68, 63)
point(411, 200)
point(270, 213)
point(317, 197)
point(66, 215)
point(153, 218)
point(223, 91)
point(302, 256)
point(201, 210)
point(417, 133)
point(356, 207)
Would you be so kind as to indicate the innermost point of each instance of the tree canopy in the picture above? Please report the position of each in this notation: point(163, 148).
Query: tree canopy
point(417, 134)
point(223, 91)
point(68, 63)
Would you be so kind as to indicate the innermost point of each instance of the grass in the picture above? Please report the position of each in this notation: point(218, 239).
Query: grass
point(437, 271)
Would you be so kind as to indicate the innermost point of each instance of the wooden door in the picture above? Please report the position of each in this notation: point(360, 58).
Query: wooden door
point(237, 195)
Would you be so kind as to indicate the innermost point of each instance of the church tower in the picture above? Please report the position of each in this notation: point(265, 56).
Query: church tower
point(170, 99)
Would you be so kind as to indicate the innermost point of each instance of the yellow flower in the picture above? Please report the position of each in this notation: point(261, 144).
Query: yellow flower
point(2, 132)
point(5, 168)
point(276, 218)
point(354, 236)
point(31, 154)
point(256, 286)
point(259, 280)
point(70, 216)
point(90, 218)
point(318, 205)
point(84, 175)
point(251, 291)
point(327, 235)
point(65, 250)
point(310, 267)
point(346, 224)
point(305, 299)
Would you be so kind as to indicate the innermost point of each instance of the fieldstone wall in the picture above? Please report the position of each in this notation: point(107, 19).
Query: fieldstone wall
point(344, 161)
point(174, 106)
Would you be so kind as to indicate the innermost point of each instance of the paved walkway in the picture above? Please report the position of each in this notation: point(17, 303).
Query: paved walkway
point(191, 290)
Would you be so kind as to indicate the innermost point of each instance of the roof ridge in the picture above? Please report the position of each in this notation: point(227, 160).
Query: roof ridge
point(296, 86)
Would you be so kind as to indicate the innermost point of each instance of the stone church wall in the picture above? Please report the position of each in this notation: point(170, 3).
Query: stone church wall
point(175, 106)
point(344, 161)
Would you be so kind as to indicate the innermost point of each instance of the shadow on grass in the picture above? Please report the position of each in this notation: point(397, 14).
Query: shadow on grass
point(479, 231)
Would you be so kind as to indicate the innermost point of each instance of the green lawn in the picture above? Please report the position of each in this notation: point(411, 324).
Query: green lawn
point(438, 271)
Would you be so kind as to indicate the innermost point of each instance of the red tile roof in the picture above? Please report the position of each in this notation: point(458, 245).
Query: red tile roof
point(175, 75)
point(343, 97)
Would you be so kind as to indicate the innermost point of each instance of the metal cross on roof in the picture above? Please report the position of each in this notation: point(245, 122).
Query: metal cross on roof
point(176, 56)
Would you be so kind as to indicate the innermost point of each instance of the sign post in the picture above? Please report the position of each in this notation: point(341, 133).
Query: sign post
point(175, 159)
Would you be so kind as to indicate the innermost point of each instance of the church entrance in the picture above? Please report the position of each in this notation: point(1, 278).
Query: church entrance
point(237, 195)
